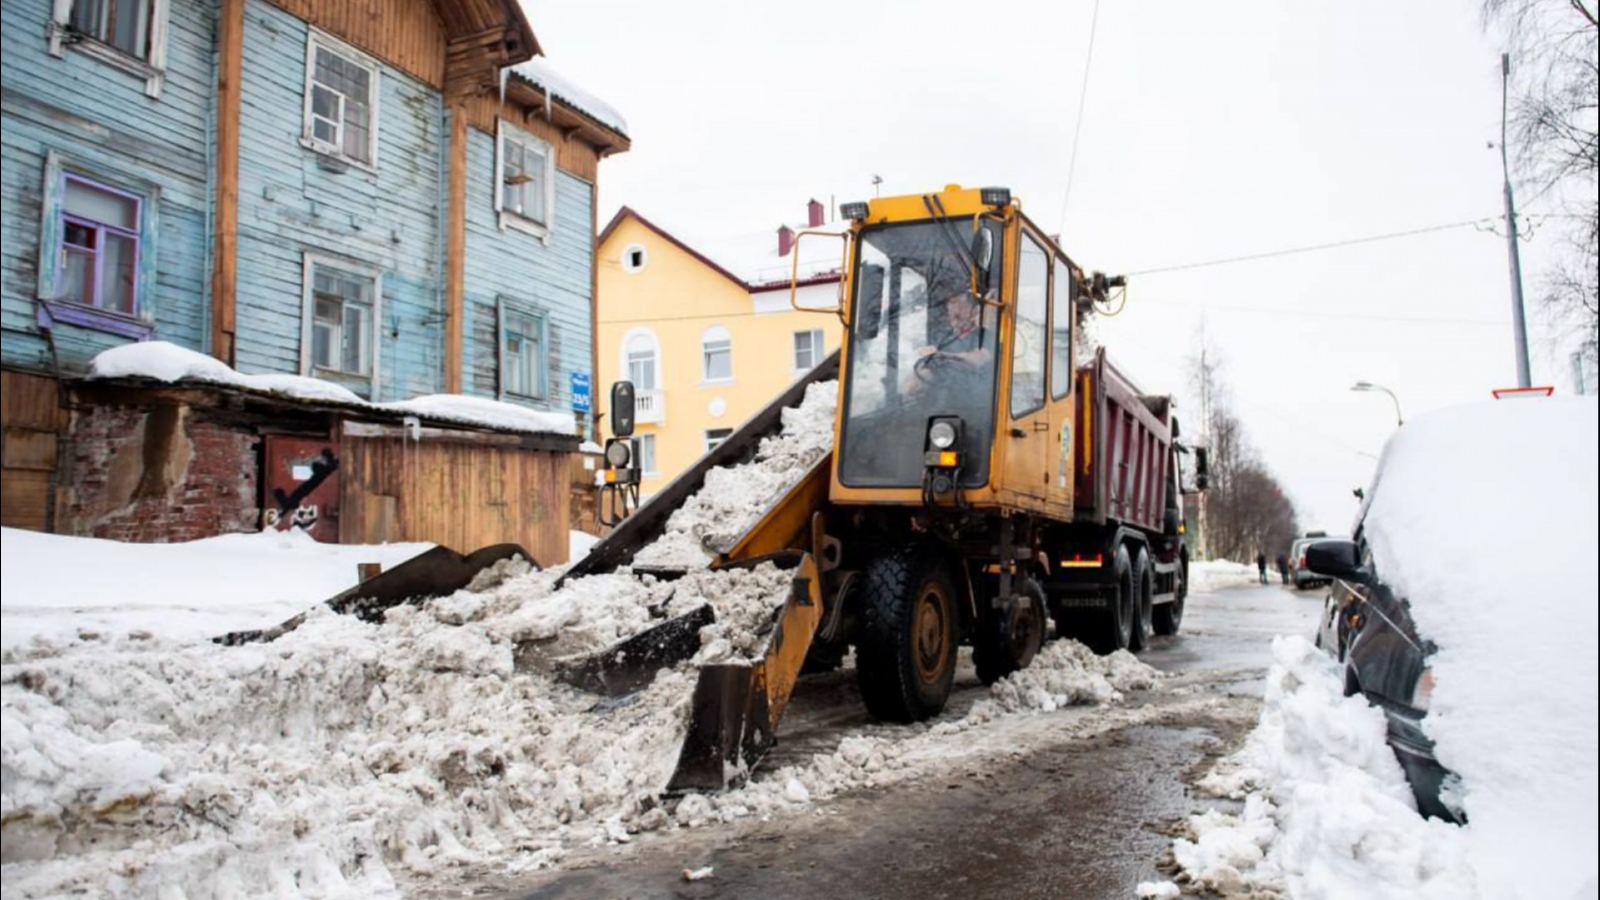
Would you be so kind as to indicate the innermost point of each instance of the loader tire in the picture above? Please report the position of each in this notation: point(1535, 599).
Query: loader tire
point(906, 646)
point(1166, 618)
point(1144, 586)
point(1009, 639)
point(1114, 629)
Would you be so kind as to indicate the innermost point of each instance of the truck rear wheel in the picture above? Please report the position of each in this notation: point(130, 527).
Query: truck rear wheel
point(1114, 630)
point(1143, 577)
point(1009, 637)
point(906, 648)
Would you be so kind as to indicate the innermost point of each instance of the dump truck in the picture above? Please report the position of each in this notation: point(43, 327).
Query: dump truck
point(985, 487)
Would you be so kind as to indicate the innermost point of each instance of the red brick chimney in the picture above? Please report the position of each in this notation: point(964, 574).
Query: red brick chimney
point(814, 212)
point(785, 240)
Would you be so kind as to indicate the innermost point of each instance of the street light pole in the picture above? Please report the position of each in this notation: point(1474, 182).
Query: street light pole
point(1369, 386)
point(1518, 325)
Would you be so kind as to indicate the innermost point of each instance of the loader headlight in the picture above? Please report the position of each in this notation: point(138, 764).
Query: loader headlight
point(942, 434)
point(856, 211)
point(617, 454)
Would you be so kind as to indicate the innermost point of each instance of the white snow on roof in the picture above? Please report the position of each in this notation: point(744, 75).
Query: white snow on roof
point(539, 73)
point(167, 362)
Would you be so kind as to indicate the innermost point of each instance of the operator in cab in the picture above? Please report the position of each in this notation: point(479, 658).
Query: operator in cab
point(961, 346)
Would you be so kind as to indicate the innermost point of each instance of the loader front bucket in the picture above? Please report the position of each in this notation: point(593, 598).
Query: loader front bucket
point(433, 573)
point(736, 708)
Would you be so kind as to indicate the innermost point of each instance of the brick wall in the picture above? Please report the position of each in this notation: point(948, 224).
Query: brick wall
point(157, 474)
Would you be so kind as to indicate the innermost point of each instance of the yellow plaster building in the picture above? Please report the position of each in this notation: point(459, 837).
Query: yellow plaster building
point(705, 330)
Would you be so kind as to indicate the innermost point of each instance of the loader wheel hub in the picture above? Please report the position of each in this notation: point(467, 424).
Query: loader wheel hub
point(931, 629)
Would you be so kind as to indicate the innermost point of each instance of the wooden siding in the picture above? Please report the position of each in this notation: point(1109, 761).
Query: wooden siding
point(573, 155)
point(293, 200)
point(31, 420)
point(99, 118)
point(552, 279)
point(407, 34)
point(462, 495)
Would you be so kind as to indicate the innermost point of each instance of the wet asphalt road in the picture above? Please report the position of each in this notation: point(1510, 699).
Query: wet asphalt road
point(1075, 818)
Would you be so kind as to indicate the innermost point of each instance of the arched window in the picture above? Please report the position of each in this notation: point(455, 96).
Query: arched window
point(716, 353)
point(641, 359)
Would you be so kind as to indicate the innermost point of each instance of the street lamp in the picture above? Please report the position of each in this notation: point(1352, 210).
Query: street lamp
point(1369, 386)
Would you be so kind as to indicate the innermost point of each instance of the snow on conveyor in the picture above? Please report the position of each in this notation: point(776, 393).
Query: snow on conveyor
point(349, 760)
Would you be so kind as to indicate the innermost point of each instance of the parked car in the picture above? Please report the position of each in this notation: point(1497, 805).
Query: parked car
point(1368, 628)
point(1441, 541)
point(1303, 576)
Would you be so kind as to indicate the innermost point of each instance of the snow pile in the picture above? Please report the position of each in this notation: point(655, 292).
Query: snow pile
point(1210, 575)
point(57, 590)
point(167, 362)
point(331, 760)
point(735, 497)
point(1327, 809)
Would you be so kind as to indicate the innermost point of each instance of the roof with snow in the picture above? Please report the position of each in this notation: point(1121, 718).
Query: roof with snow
point(540, 74)
point(170, 364)
point(751, 258)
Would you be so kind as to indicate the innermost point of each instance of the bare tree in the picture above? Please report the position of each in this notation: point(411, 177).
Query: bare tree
point(1246, 509)
point(1555, 48)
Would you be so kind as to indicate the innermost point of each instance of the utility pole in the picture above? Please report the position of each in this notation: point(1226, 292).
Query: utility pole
point(1518, 324)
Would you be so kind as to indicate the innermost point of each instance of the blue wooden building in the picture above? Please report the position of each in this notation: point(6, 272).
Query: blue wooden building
point(394, 195)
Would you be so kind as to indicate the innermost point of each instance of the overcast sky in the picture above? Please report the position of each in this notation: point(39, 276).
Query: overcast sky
point(1209, 131)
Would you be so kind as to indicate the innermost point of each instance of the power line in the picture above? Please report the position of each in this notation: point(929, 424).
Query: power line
point(1323, 314)
point(1331, 245)
point(1077, 128)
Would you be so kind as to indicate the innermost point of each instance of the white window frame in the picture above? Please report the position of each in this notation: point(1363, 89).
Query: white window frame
point(715, 334)
point(819, 348)
point(627, 256)
point(713, 443)
point(652, 469)
point(152, 67)
point(511, 218)
point(624, 366)
point(507, 309)
point(320, 40)
point(308, 311)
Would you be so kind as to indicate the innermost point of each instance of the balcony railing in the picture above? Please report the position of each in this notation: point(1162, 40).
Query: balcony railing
point(650, 407)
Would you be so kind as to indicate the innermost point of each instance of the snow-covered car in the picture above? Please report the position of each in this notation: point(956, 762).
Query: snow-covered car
point(1472, 561)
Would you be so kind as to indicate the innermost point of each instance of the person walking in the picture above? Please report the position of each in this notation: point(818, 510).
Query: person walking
point(1261, 566)
point(1283, 568)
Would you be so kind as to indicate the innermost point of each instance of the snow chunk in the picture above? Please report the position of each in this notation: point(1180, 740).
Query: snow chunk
point(735, 497)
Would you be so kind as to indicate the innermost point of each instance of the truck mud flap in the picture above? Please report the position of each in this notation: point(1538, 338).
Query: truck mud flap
point(438, 572)
point(736, 708)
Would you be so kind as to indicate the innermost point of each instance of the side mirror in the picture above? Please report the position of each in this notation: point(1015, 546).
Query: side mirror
point(622, 408)
point(1202, 468)
point(869, 301)
point(1336, 559)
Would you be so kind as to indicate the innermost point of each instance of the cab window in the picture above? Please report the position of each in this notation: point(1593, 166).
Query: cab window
point(1061, 322)
point(1029, 344)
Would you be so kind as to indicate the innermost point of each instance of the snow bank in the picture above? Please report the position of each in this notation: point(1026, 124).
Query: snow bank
point(1326, 808)
point(162, 361)
point(57, 590)
point(1485, 518)
point(1217, 574)
point(735, 497)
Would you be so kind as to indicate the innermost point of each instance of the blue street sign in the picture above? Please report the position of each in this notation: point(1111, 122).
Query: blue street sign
point(582, 397)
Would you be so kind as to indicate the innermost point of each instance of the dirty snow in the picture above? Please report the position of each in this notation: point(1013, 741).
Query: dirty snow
point(163, 361)
point(1210, 575)
point(735, 497)
point(61, 591)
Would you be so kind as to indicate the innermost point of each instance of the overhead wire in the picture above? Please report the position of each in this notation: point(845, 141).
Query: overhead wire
point(1077, 128)
point(1311, 248)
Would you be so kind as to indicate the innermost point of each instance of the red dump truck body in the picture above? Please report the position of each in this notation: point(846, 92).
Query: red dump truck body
point(1124, 449)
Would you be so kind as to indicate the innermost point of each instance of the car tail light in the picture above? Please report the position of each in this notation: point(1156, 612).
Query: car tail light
point(1302, 563)
point(1422, 695)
